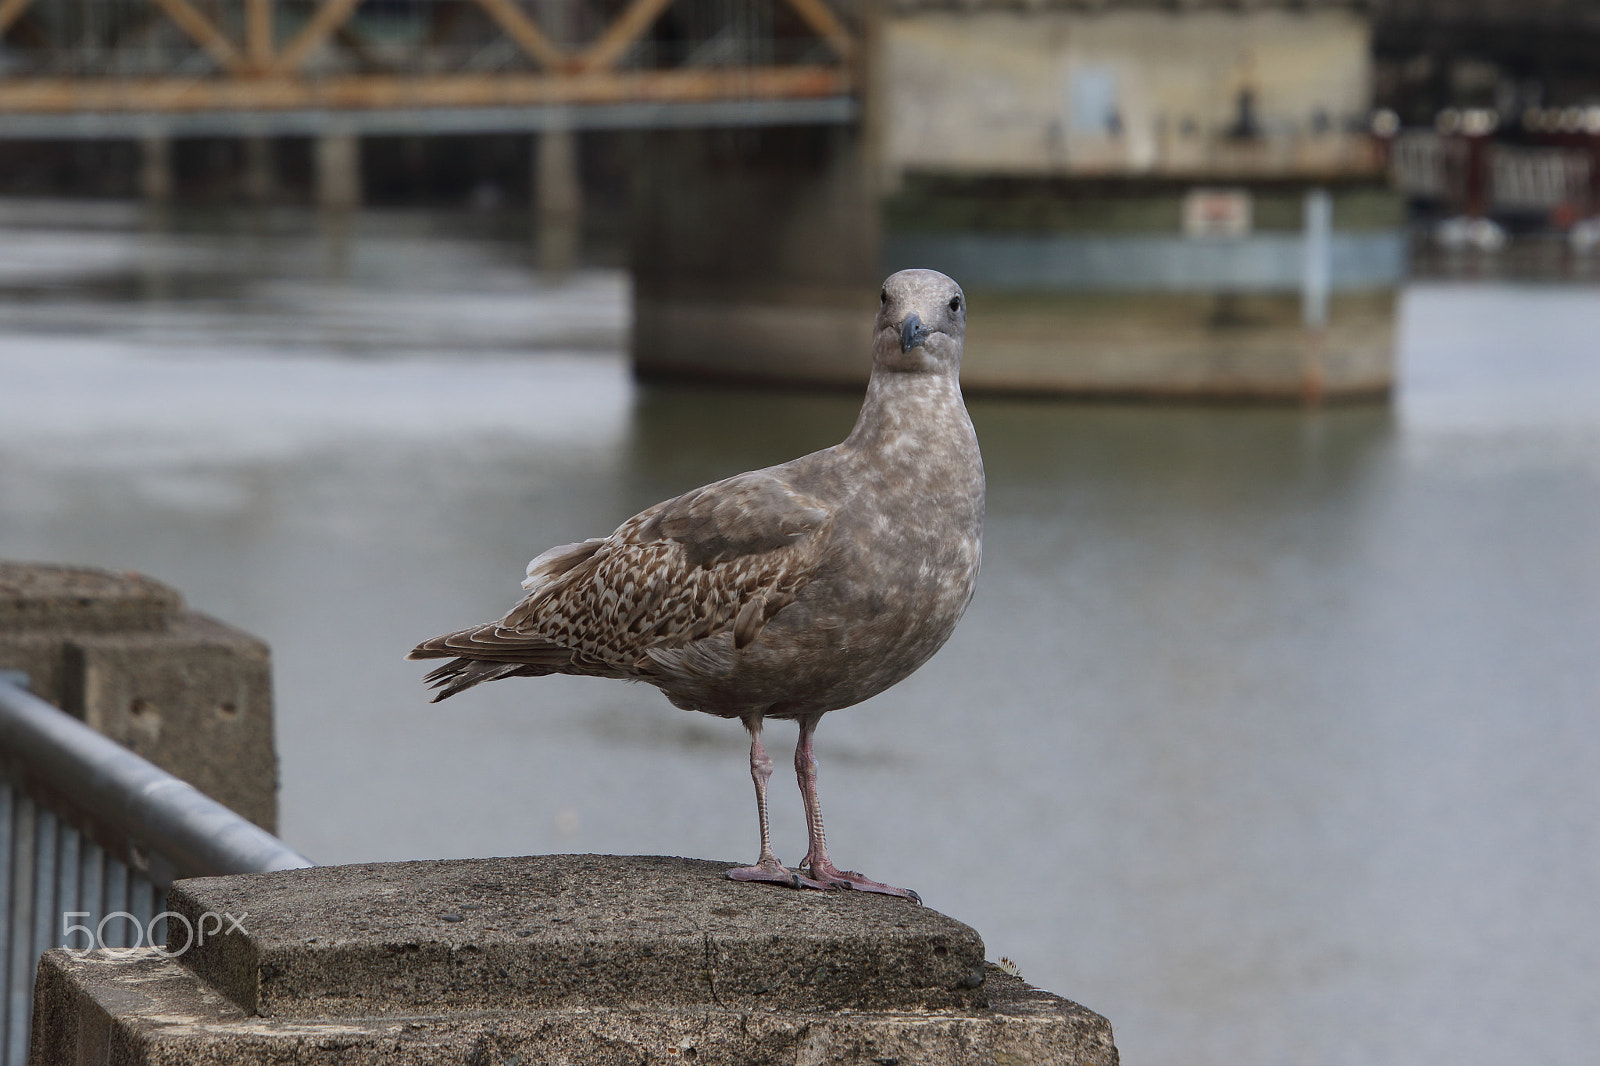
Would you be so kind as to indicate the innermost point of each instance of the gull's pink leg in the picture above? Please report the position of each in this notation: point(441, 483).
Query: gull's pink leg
point(816, 862)
point(767, 867)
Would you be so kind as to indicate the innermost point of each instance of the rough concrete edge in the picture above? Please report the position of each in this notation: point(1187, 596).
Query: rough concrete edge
point(69, 1024)
point(244, 968)
point(144, 604)
point(935, 967)
point(144, 1008)
point(232, 967)
point(249, 661)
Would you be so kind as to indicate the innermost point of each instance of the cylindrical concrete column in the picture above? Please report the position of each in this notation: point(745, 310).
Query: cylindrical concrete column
point(338, 155)
point(557, 199)
point(260, 168)
point(155, 167)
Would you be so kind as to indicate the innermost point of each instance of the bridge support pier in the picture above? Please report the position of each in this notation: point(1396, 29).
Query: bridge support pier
point(260, 166)
point(557, 199)
point(755, 255)
point(155, 167)
point(338, 160)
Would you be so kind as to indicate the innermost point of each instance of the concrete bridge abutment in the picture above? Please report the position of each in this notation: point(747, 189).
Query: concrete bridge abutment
point(1124, 194)
point(755, 254)
point(337, 155)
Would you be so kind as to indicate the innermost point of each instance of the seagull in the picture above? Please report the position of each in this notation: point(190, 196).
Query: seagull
point(780, 593)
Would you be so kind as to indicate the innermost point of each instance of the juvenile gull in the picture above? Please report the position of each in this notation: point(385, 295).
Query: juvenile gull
point(786, 592)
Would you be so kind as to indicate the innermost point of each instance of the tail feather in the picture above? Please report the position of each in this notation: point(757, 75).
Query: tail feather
point(459, 674)
point(492, 642)
point(488, 652)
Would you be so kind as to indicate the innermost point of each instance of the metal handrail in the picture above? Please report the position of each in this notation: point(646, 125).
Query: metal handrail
point(89, 830)
point(162, 815)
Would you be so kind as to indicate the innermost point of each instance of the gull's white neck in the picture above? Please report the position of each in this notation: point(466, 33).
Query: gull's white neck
point(901, 405)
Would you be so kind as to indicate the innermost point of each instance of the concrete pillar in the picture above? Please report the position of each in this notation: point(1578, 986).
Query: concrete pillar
point(557, 199)
point(155, 167)
point(121, 652)
point(512, 960)
point(260, 168)
point(335, 230)
point(338, 163)
point(557, 192)
point(756, 254)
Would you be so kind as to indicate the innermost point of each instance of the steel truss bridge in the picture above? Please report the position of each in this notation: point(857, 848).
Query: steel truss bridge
point(132, 68)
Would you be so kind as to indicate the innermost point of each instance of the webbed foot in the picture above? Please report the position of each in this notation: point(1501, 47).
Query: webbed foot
point(775, 873)
point(833, 877)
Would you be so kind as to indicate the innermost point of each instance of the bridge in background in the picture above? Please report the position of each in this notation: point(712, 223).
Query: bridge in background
point(106, 68)
point(1207, 163)
point(337, 70)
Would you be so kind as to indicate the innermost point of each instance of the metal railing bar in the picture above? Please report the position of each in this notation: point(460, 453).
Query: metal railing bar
point(7, 898)
point(91, 864)
point(154, 902)
point(20, 964)
point(68, 880)
point(159, 813)
point(44, 882)
point(116, 899)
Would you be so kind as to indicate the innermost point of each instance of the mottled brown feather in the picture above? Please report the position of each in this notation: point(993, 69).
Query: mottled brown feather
point(725, 557)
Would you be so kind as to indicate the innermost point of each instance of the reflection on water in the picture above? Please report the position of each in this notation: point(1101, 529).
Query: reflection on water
point(1270, 734)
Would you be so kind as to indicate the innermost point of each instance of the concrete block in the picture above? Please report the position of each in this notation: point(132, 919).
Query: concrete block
point(38, 596)
point(121, 652)
point(196, 700)
point(568, 931)
point(591, 959)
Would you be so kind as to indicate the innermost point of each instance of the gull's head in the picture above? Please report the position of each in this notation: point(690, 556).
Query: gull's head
point(922, 320)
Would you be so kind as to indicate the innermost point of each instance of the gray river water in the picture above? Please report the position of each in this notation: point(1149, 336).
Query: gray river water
point(1273, 735)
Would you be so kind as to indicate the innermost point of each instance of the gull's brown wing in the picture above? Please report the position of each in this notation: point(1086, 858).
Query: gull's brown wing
point(723, 558)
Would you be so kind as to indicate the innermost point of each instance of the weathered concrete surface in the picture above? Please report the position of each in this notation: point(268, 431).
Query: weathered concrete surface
point(1125, 88)
point(568, 931)
point(36, 596)
point(582, 959)
point(150, 1011)
point(755, 255)
point(121, 652)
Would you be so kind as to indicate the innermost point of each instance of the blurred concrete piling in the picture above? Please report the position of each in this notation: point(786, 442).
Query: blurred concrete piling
point(121, 652)
point(155, 167)
point(558, 200)
point(1121, 188)
point(338, 166)
point(578, 958)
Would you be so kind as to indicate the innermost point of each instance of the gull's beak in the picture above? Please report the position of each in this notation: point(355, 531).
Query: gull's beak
point(912, 332)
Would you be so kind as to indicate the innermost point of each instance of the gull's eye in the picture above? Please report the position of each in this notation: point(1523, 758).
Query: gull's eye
point(883, 297)
point(955, 303)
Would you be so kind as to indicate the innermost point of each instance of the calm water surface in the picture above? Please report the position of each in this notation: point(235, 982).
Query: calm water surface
point(1272, 735)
